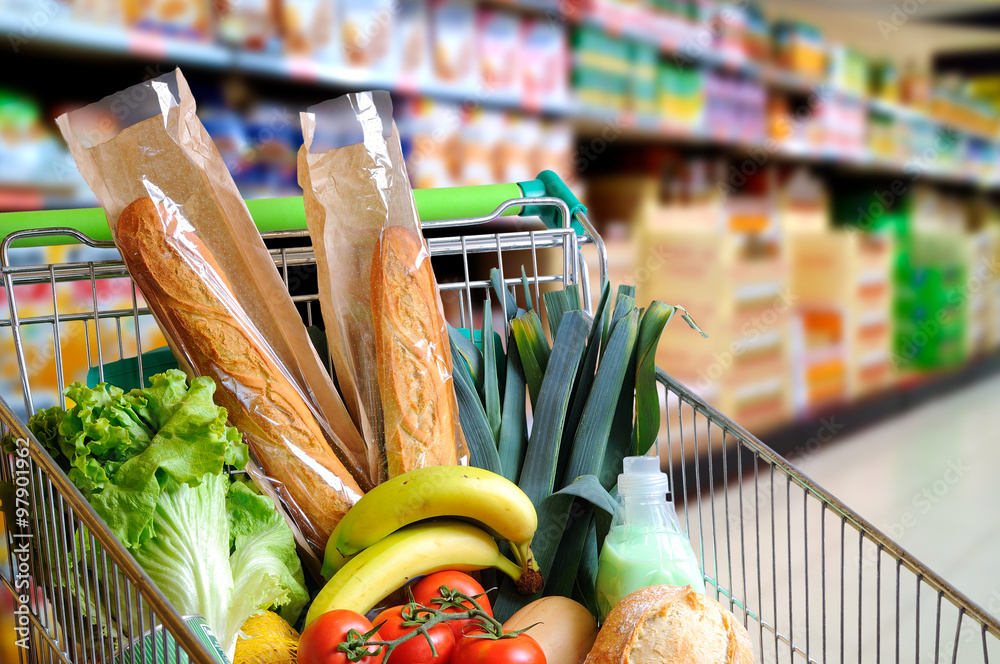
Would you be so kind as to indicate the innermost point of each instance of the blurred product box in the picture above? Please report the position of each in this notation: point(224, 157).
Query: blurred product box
point(981, 288)
point(849, 71)
point(842, 285)
point(544, 62)
point(307, 27)
point(845, 123)
point(680, 95)
point(735, 286)
point(433, 133)
point(642, 79)
point(447, 145)
point(601, 66)
point(78, 338)
point(365, 32)
point(521, 136)
point(993, 291)
point(481, 133)
point(185, 19)
point(735, 109)
point(803, 203)
point(886, 84)
point(412, 44)
point(930, 308)
point(799, 47)
point(500, 50)
point(257, 25)
point(454, 47)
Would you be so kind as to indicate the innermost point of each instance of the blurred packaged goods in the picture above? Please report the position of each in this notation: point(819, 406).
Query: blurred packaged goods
point(80, 343)
point(842, 286)
point(681, 96)
point(799, 47)
point(186, 19)
point(723, 260)
point(454, 52)
point(451, 145)
point(849, 71)
point(499, 42)
point(544, 63)
point(33, 162)
point(601, 69)
point(982, 250)
point(886, 85)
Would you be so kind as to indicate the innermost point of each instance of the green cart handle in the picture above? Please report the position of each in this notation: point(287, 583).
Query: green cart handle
point(288, 214)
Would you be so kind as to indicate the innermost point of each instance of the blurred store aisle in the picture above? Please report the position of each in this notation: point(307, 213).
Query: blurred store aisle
point(929, 480)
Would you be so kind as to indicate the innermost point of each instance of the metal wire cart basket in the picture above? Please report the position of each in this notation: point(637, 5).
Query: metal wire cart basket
point(809, 578)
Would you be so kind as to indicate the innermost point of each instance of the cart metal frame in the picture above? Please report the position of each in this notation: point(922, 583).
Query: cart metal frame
point(753, 518)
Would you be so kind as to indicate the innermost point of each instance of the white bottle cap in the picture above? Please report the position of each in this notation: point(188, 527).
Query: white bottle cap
point(642, 476)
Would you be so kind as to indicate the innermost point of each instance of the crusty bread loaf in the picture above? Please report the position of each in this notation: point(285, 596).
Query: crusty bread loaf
point(261, 401)
point(671, 625)
point(413, 356)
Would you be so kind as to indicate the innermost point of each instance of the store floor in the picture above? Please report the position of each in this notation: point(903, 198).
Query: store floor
point(930, 479)
point(927, 478)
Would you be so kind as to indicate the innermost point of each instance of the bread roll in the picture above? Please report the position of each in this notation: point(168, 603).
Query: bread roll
point(413, 356)
point(670, 625)
point(184, 291)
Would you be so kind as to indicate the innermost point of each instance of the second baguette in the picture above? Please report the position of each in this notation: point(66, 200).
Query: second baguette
point(413, 356)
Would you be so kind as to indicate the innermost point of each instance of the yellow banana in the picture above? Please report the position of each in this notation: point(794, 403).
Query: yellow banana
point(492, 501)
point(410, 552)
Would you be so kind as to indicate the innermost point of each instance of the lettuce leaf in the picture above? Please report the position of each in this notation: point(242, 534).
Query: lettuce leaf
point(266, 568)
point(153, 463)
point(194, 441)
point(189, 557)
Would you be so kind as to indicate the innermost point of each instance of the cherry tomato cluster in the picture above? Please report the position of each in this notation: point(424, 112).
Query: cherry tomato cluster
point(458, 641)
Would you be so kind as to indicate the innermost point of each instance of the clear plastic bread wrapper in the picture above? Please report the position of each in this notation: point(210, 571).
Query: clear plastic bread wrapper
point(192, 248)
point(381, 304)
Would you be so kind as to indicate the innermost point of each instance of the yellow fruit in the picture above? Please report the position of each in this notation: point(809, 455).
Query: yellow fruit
point(269, 640)
point(567, 631)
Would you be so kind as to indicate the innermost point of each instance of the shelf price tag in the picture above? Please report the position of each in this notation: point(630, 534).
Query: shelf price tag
point(146, 43)
point(303, 69)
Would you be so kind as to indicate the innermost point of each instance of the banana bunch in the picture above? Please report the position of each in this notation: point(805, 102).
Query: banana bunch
point(425, 521)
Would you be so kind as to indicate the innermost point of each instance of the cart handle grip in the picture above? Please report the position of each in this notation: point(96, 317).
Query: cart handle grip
point(483, 200)
point(288, 214)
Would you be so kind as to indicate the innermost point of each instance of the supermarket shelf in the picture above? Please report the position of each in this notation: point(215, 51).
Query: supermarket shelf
point(110, 40)
point(594, 124)
point(670, 35)
point(155, 46)
point(792, 439)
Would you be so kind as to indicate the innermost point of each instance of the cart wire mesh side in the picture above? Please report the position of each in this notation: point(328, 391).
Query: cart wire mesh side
point(810, 579)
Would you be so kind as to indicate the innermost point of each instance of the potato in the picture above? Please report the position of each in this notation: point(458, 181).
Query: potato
point(567, 630)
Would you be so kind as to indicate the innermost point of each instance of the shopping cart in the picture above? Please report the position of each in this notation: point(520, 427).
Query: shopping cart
point(807, 576)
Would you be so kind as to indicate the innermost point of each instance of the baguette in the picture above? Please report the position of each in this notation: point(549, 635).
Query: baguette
point(413, 356)
point(670, 625)
point(261, 401)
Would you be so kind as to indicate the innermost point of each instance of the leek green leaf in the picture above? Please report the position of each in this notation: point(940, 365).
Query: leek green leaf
point(470, 353)
point(647, 399)
point(534, 349)
point(513, 439)
point(591, 436)
point(482, 445)
point(491, 387)
point(539, 472)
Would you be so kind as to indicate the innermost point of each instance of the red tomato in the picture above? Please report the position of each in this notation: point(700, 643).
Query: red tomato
point(520, 649)
point(416, 650)
point(319, 641)
point(429, 588)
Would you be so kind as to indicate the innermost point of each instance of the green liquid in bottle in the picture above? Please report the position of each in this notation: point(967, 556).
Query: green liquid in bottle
point(633, 558)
